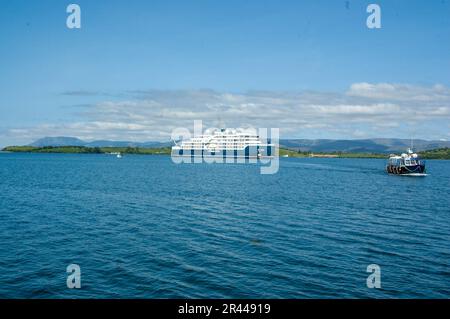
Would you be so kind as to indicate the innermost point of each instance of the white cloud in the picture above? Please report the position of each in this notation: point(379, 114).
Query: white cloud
point(400, 92)
point(365, 110)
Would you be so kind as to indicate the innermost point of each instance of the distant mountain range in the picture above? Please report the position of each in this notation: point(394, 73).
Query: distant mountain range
point(73, 141)
point(376, 145)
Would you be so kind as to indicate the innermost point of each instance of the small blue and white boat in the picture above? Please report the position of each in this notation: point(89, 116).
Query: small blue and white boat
point(408, 164)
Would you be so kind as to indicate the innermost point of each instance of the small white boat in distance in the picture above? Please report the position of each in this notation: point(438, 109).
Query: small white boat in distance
point(119, 155)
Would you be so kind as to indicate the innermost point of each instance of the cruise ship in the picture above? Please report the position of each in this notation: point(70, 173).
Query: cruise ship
point(225, 143)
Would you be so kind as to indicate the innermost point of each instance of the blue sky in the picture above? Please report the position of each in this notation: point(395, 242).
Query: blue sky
point(312, 68)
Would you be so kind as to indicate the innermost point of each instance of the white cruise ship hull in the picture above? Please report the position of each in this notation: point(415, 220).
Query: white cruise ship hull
point(249, 152)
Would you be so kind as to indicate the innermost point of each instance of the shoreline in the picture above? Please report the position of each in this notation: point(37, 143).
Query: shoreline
point(443, 154)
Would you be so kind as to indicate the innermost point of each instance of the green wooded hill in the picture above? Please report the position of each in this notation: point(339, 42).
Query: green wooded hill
point(439, 153)
point(87, 150)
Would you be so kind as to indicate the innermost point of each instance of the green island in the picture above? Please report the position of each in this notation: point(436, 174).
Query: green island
point(88, 150)
point(440, 153)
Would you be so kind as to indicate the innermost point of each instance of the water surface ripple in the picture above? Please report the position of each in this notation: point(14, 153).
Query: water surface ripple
point(143, 227)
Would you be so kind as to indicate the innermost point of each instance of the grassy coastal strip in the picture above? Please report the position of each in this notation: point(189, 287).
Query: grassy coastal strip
point(292, 153)
point(441, 153)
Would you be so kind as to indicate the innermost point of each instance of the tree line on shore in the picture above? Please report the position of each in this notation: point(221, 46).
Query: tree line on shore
point(440, 153)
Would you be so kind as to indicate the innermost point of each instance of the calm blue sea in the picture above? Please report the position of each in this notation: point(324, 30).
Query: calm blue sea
point(143, 227)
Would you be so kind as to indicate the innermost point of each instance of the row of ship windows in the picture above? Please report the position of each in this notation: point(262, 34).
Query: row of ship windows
point(222, 142)
point(406, 162)
point(227, 140)
point(219, 144)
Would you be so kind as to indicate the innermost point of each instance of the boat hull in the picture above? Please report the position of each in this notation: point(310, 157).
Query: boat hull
point(418, 170)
